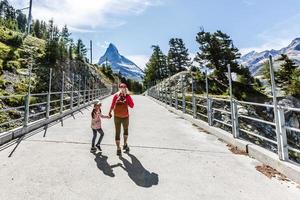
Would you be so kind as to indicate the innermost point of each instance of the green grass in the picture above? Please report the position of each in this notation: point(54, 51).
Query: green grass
point(4, 50)
point(10, 37)
point(35, 43)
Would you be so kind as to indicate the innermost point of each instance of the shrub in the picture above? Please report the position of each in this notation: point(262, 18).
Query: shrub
point(4, 50)
point(13, 114)
point(12, 66)
point(1, 66)
point(16, 41)
point(3, 117)
point(14, 102)
point(2, 83)
point(21, 87)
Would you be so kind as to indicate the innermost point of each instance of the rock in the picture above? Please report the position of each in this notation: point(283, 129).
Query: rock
point(242, 110)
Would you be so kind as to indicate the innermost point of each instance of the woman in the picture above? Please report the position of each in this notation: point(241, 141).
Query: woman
point(119, 105)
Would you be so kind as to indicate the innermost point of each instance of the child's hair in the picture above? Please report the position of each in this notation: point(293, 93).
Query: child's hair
point(94, 112)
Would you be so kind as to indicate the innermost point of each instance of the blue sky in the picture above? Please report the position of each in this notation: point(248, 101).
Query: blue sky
point(134, 25)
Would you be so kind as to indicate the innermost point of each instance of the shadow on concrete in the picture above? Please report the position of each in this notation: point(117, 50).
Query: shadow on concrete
point(46, 129)
point(18, 142)
point(104, 166)
point(137, 172)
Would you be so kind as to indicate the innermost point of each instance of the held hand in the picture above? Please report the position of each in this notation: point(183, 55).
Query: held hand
point(109, 115)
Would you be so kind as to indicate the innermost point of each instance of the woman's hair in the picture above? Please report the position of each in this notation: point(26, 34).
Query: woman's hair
point(94, 112)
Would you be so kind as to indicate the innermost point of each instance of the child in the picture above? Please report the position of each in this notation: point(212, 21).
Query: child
point(96, 126)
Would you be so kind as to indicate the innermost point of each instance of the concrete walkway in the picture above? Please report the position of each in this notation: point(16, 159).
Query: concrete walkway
point(170, 159)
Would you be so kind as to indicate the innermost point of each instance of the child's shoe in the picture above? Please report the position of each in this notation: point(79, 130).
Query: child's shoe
point(98, 147)
point(93, 150)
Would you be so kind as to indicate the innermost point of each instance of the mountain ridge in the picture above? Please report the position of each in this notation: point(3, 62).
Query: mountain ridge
point(254, 60)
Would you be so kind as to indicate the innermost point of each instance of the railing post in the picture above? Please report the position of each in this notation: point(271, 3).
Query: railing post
point(166, 93)
point(72, 92)
point(89, 94)
point(233, 120)
point(93, 91)
point(84, 92)
point(162, 93)
point(236, 119)
point(98, 89)
point(49, 95)
point(277, 122)
point(171, 100)
point(183, 95)
point(194, 100)
point(26, 114)
point(283, 138)
point(176, 97)
point(209, 111)
point(79, 92)
point(62, 93)
point(158, 90)
point(27, 100)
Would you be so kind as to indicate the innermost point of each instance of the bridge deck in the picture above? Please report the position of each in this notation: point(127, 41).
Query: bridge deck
point(170, 159)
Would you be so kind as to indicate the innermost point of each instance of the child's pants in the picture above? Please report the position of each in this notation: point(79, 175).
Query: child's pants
point(95, 136)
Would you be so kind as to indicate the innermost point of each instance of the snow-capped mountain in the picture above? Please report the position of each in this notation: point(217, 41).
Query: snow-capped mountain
point(254, 60)
point(120, 64)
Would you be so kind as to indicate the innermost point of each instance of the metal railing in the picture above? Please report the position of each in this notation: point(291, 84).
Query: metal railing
point(269, 128)
point(23, 111)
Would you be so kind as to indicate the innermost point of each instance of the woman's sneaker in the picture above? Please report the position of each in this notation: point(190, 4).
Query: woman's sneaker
point(126, 148)
point(93, 150)
point(119, 152)
point(98, 147)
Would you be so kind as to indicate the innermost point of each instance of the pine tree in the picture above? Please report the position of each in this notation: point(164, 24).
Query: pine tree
point(266, 72)
point(50, 29)
point(178, 57)
point(44, 30)
point(22, 21)
point(156, 68)
point(71, 49)
point(64, 42)
point(245, 76)
point(37, 29)
point(65, 35)
point(294, 88)
point(216, 52)
point(285, 73)
point(80, 50)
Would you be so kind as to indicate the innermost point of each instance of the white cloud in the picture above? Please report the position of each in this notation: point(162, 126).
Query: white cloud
point(104, 45)
point(278, 36)
point(139, 60)
point(87, 14)
point(248, 2)
point(274, 44)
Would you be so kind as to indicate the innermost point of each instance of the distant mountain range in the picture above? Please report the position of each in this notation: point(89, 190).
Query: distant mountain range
point(254, 60)
point(120, 64)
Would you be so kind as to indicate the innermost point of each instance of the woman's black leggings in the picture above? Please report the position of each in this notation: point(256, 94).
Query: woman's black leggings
point(95, 136)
